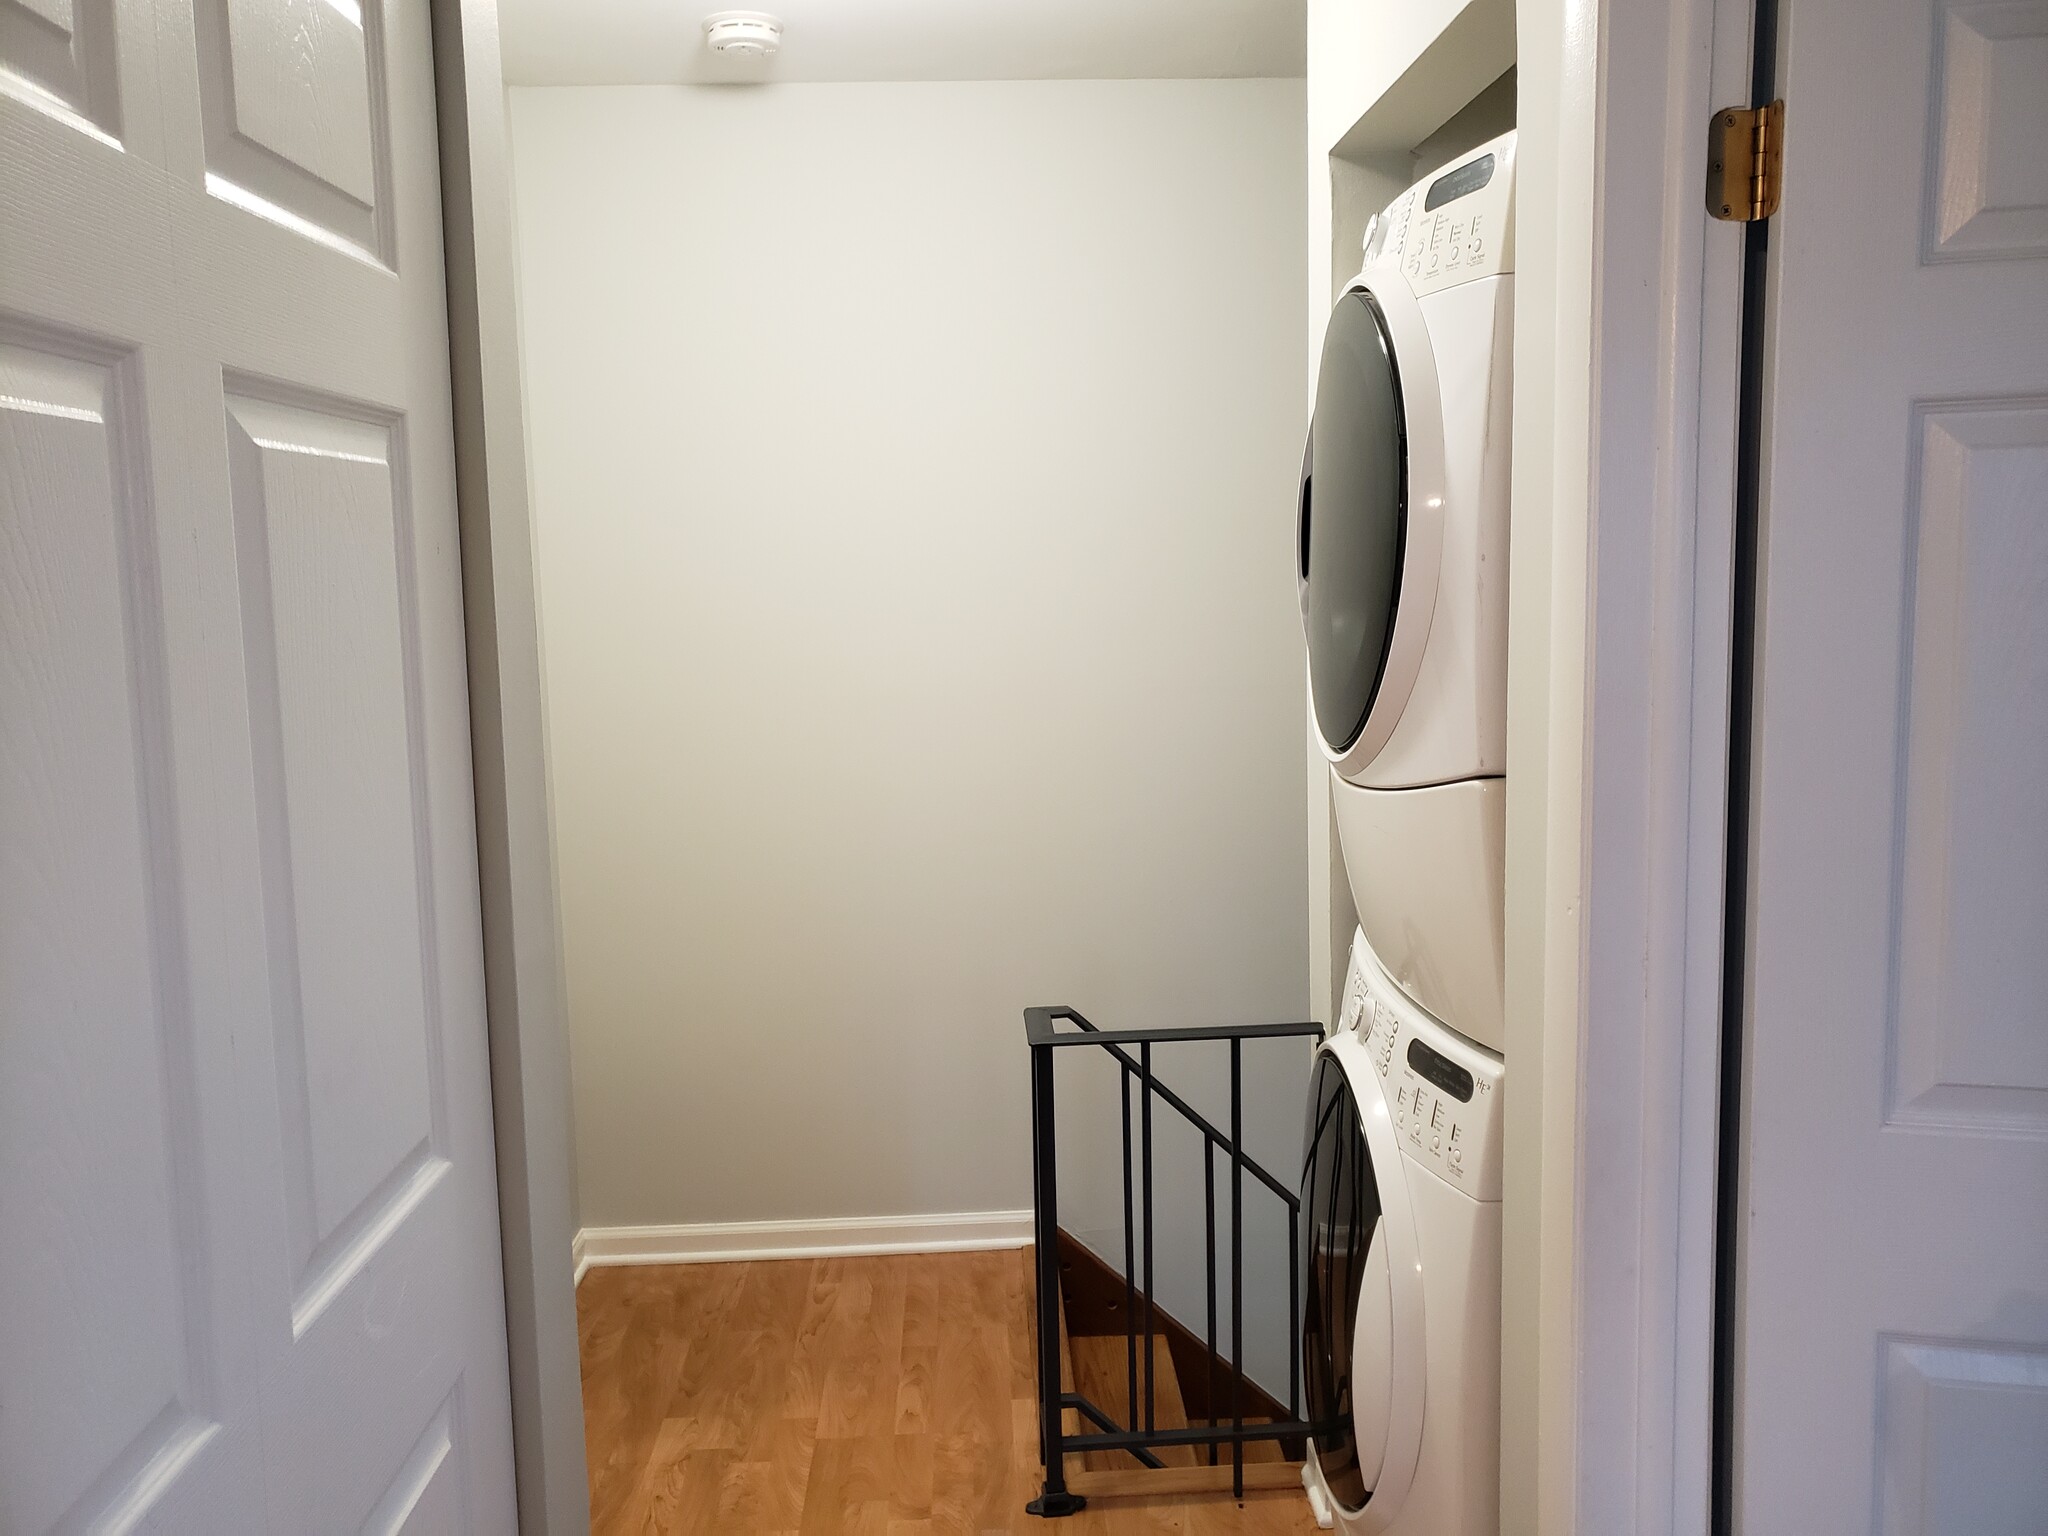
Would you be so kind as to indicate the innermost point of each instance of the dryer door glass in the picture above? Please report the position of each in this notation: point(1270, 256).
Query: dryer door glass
point(1345, 1264)
point(1353, 513)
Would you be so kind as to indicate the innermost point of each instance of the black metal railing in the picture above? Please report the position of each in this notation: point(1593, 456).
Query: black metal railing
point(1142, 1438)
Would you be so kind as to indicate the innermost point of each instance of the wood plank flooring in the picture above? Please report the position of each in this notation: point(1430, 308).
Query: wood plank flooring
point(879, 1396)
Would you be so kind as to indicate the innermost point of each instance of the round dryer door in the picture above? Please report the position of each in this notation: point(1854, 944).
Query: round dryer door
point(1349, 1318)
point(1353, 517)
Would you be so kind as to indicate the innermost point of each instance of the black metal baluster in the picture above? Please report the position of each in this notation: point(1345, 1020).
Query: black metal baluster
point(1130, 1269)
point(1209, 1364)
point(1294, 1310)
point(1145, 1118)
point(1237, 1267)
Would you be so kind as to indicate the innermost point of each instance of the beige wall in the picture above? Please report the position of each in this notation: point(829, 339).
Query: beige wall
point(914, 474)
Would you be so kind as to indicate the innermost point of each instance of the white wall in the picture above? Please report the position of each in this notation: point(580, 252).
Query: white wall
point(914, 473)
point(1547, 632)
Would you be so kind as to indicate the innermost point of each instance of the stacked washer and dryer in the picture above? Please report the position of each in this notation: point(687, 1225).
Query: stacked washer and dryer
point(1403, 562)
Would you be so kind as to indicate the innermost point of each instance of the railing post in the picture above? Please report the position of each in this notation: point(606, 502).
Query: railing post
point(1055, 1500)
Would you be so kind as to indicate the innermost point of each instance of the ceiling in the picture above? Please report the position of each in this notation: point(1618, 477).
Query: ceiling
point(658, 42)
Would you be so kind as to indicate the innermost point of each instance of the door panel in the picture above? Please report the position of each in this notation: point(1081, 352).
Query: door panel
point(425, 1498)
point(330, 668)
point(251, 1279)
point(1963, 1431)
point(1988, 187)
point(1893, 1251)
point(64, 50)
point(98, 1328)
point(293, 97)
point(1966, 1039)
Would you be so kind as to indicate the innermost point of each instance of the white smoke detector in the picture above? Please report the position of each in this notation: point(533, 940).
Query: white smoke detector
point(743, 34)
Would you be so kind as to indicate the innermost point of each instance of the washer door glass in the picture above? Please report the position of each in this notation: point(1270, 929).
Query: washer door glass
point(1347, 1341)
point(1354, 485)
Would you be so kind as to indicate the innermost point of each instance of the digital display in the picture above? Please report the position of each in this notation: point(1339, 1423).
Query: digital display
point(1469, 177)
point(1441, 1070)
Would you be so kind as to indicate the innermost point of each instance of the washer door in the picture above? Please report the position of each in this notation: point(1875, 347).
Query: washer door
point(1362, 1319)
point(1369, 535)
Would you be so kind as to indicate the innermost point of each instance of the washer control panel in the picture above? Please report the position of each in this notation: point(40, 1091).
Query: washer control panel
point(1443, 1091)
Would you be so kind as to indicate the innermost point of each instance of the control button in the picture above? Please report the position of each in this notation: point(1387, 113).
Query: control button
point(1415, 1132)
point(1457, 1161)
point(1436, 1143)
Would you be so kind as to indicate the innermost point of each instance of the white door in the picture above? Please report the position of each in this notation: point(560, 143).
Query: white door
point(249, 1274)
point(1893, 1339)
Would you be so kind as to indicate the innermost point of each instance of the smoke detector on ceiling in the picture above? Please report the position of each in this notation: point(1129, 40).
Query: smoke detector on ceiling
point(743, 34)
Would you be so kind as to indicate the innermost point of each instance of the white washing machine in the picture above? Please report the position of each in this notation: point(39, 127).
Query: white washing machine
point(1403, 559)
point(1401, 1236)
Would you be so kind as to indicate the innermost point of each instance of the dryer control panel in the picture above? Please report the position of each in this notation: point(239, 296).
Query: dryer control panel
point(1443, 1091)
point(1455, 226)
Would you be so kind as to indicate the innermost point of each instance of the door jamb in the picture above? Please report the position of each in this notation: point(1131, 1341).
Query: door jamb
point(1666, 315)
point(1608, 1413)
point(1627, 1231)
point(526, 1005)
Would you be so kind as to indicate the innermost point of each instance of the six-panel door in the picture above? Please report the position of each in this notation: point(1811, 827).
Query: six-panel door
point(249, 1280)
point(1893, 1363)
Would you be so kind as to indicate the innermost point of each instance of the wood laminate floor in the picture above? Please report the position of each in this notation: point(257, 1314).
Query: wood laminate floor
point(881, 1396)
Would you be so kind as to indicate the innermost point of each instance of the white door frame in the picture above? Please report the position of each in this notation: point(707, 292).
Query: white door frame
point(1619, 744)
point(526, 1005)
point(1619, 886)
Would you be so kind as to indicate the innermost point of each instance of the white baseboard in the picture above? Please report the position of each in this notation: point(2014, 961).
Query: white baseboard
point(963, 1232)
point(579, 1255)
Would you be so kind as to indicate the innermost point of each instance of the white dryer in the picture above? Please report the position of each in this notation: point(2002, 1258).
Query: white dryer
point(1401, 1236)
point(1402, 547)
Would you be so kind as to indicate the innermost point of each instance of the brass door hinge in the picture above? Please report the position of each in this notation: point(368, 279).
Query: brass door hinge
point(1745, 160)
